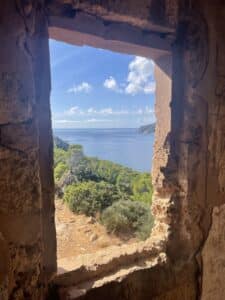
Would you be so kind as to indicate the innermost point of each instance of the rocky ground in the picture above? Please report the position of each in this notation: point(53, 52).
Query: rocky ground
point(79, 234)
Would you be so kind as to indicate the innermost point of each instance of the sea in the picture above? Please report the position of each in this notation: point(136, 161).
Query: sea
point(125, 146)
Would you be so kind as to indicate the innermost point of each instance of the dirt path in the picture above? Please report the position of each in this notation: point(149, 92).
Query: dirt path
point(78, 234)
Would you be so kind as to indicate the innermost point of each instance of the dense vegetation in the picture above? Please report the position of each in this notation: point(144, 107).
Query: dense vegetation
point(116, 196)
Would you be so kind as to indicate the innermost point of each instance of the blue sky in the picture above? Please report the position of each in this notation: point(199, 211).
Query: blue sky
point(95, 88)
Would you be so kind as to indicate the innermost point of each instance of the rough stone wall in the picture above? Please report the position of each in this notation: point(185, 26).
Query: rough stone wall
point(162, 193)
point(186, 168)
point(189, 185)
point(145, 28)
point(195, 168)
point(158, 283)
point(41, 66)
point(23, 88)
point(188, 172)
point(212, 250)
point(144, 13)
point(188, 177)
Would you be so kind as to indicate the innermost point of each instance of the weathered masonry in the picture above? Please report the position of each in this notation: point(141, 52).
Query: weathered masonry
point(184, 258)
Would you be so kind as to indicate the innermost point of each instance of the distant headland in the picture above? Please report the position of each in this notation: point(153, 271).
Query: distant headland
point(147, 129)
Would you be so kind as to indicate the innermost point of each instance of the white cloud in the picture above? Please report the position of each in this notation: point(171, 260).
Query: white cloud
point(84, 87)
point(106, 111)
point(77, 117)
point(97, 120)
point(72, 111)
point(76, 111)
point(65, 121)
point(150, 88)
point(111, 84)
point(149, 110)
point(139, 79)
point(90, 110)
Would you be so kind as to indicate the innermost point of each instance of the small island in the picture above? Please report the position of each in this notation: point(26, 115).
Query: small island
point(147, 129)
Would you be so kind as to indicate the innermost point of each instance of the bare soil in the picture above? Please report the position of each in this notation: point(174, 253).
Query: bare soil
point(79, 234)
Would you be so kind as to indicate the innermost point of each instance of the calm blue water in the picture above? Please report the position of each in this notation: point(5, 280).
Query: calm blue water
point(123, 146)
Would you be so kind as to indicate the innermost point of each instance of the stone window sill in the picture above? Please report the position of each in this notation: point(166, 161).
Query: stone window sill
point(77, 275)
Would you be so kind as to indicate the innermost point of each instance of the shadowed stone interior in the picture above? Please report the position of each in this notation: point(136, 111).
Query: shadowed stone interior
point(184, 257)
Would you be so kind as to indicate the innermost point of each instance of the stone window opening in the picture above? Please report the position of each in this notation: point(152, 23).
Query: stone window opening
point(127, 160)
point(105, 265)
point(26, 147)
point(74, 239)
point(186, 254)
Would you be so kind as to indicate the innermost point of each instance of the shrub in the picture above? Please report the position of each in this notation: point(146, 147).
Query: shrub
point(60, 156)
point(82, 198)
point(142, 188)
point(67, 179)
point(92, 186)
point(58, 192)
point(84, 171)
point(75, 156)
point(125, 181)
point(90, 197)
point(126, 216)
point(60, 169)
point(107, 170)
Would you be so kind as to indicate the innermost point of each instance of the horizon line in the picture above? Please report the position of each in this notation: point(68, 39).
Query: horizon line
point(104, 127)
point(98, 127)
